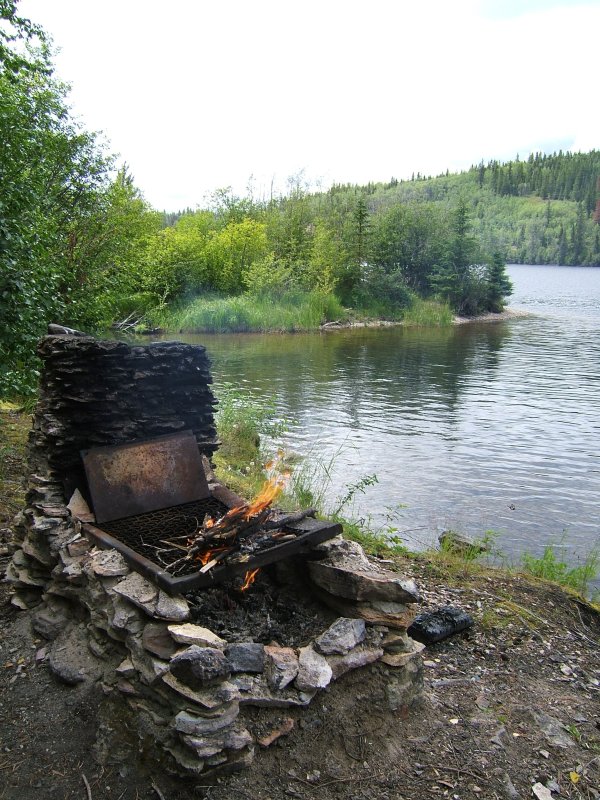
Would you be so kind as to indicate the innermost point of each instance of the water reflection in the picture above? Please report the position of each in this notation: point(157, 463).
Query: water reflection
point(473, 427)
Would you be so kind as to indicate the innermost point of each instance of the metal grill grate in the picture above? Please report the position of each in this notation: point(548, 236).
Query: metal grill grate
point(145, 532)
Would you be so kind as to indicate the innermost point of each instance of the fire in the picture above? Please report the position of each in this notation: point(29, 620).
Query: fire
point(208, 555)
point(249, 579)
point(270, 491)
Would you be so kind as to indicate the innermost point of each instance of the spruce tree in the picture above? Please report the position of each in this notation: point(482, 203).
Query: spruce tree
point(499, 284)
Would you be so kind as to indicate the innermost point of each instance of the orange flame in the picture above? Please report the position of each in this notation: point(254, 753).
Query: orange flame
point(269, 492)
point(208, 555)
point(249, 579)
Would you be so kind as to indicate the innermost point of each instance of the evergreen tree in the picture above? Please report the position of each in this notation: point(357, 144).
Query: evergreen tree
point(499, 284)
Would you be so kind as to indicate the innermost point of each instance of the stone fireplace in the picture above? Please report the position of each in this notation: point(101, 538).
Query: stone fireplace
point(186, 667)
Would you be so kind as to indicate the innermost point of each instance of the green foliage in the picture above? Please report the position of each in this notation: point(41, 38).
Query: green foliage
point(230, 253)
point(293, 311)
point(551, 568)
point(499, 284)
point(428, 313)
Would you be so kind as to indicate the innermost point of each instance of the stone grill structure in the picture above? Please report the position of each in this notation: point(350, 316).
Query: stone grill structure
point(185, 687)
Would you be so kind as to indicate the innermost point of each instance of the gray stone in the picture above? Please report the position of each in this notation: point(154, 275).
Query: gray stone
point(138, 591)
point(374, 612)
point(453, 542)
point(108, 564)
point(397, 642)
point(341, 637)
point(126, 668)
point(190, 764)
point(281, 666)
point(313, 670)
point(210, 698)
point(405, 686)
point(194, 634)
point(199, 667)
point(371, 584)
point(233, 738)
point(126, 617)
point(246, 657)
point(172, 609)
point(359, 657)
point(255, 691)
point(402, 659)
point(149, 668)
point(70, 659)
point(196, 725)
point(157, 640)
point(555, 733)
point(38, 549)
point(52, 617)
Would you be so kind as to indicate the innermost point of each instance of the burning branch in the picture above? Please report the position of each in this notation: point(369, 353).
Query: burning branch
point(236, 534)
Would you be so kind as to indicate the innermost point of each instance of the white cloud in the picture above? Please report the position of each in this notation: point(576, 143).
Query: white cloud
point(198, 95)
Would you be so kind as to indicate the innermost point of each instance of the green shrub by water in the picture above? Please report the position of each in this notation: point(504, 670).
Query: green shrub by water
point(551, 568)
point(292, 311)
point(428, 313)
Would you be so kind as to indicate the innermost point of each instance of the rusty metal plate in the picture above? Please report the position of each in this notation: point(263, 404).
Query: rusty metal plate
point(144, 476)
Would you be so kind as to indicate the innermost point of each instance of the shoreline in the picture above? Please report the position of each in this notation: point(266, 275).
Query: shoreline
point(489, 316)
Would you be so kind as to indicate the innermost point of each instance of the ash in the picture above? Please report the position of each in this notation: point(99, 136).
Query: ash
point(266, 612)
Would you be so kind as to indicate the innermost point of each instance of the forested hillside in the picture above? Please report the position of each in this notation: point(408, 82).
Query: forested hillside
point(79, 245)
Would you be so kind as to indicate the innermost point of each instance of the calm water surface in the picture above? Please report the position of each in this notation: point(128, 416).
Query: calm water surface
point(481, 426)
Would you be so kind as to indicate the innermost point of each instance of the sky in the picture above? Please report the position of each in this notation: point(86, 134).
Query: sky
point(197, 95)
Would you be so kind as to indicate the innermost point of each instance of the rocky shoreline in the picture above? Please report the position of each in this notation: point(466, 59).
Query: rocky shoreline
point(490, 316)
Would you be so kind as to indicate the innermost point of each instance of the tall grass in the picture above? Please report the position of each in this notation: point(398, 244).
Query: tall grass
point(428, 313)
point(292, 311)
point(550, 568)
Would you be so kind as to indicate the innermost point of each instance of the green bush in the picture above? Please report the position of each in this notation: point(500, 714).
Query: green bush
point(550, 568)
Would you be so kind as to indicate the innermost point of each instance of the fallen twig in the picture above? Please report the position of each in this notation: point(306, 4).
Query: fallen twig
point(87, 786)
point(157, 790)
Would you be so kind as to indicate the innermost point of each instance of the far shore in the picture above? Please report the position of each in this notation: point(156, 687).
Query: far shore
point(489, 316)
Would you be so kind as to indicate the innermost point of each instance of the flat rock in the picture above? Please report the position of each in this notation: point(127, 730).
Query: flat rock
point(366, 584)
point(374, 612)
point(343, 635)
point(149, 667)
point(70, 659)
point(173, 609)
point(157, 640)
point(402, 659)
point(199, 667)
point(233, 738)
point(313, 670)
point(52, 617)
point(196, 725)
point(78, 506)
point(555, 733)
point(210, 698)
point(194, 634)
point(125, 616)
point(138, 591)
point(255, 691)
point(281, 666)
point(359, 657)
point(126, 668)
point(396, 641)
point(108, 564)
point(246, 657)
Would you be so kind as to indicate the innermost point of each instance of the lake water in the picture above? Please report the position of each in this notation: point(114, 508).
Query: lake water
point(480, 426)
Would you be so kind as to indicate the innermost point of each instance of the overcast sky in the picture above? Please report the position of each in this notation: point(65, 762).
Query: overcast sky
point(197, 95)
